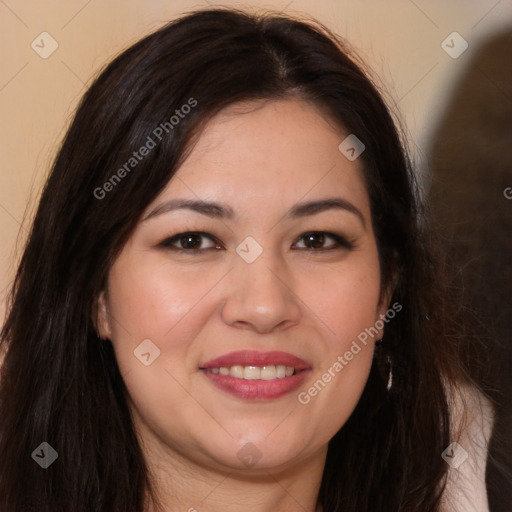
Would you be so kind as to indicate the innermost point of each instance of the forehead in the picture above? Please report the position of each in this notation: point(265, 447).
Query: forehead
point(275, 152)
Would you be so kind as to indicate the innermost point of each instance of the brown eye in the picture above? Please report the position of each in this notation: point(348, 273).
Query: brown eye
point(191, 242)
point(316, 240)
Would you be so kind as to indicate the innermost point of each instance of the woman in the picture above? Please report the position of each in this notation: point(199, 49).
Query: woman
point(229, 297)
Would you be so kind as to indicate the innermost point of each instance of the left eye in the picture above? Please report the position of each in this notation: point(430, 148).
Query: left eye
point(317, 239)
point(192, 241)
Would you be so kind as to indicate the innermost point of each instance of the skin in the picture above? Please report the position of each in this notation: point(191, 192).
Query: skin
point(260, 159)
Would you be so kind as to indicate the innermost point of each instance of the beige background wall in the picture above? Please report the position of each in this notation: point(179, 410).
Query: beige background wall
point(400, 39)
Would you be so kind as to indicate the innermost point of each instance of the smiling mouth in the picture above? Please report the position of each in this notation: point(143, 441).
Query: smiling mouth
point(252, 375)
point(269, 372)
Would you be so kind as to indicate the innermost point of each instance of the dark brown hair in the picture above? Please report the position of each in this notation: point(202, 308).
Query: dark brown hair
point(60, 385)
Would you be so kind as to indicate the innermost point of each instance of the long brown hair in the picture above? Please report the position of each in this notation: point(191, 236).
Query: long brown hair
point(60, 385)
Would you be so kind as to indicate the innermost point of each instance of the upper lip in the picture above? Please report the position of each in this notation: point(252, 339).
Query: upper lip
point(256, 358)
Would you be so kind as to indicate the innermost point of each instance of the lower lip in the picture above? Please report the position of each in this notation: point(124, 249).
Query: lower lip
point(257, 389)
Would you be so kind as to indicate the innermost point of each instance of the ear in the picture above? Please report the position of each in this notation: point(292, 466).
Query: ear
point(101, 317)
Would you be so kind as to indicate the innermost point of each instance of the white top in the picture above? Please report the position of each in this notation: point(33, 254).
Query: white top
point(473, 417)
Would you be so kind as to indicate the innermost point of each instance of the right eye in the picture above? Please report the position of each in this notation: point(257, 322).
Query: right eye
point(190, 241)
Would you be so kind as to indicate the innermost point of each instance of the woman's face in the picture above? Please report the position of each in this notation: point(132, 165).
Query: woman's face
point(235, 307)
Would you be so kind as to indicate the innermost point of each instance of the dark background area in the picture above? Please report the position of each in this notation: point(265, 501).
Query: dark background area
point(471, 166)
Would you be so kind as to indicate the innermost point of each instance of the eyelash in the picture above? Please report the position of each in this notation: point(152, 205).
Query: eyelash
point(341, 242)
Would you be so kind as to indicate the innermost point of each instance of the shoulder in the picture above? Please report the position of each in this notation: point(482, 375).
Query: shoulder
point(472, 419)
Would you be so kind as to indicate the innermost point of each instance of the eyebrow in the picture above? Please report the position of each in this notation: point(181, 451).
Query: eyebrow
point(220, 211)
point(322, 205)
point(210, 209)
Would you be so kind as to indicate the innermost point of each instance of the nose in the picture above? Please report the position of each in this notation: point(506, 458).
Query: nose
point(260, 296)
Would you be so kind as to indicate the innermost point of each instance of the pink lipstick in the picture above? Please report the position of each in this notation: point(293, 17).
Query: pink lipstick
point(257, 376)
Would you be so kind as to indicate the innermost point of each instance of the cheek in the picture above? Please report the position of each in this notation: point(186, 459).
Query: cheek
point(152, 300)
point(336, 386)
point(345, 299)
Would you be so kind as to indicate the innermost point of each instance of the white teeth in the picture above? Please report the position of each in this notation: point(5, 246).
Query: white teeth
point(281, 371)
point(237, 371)
point(270, 372)
point(251, 372)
